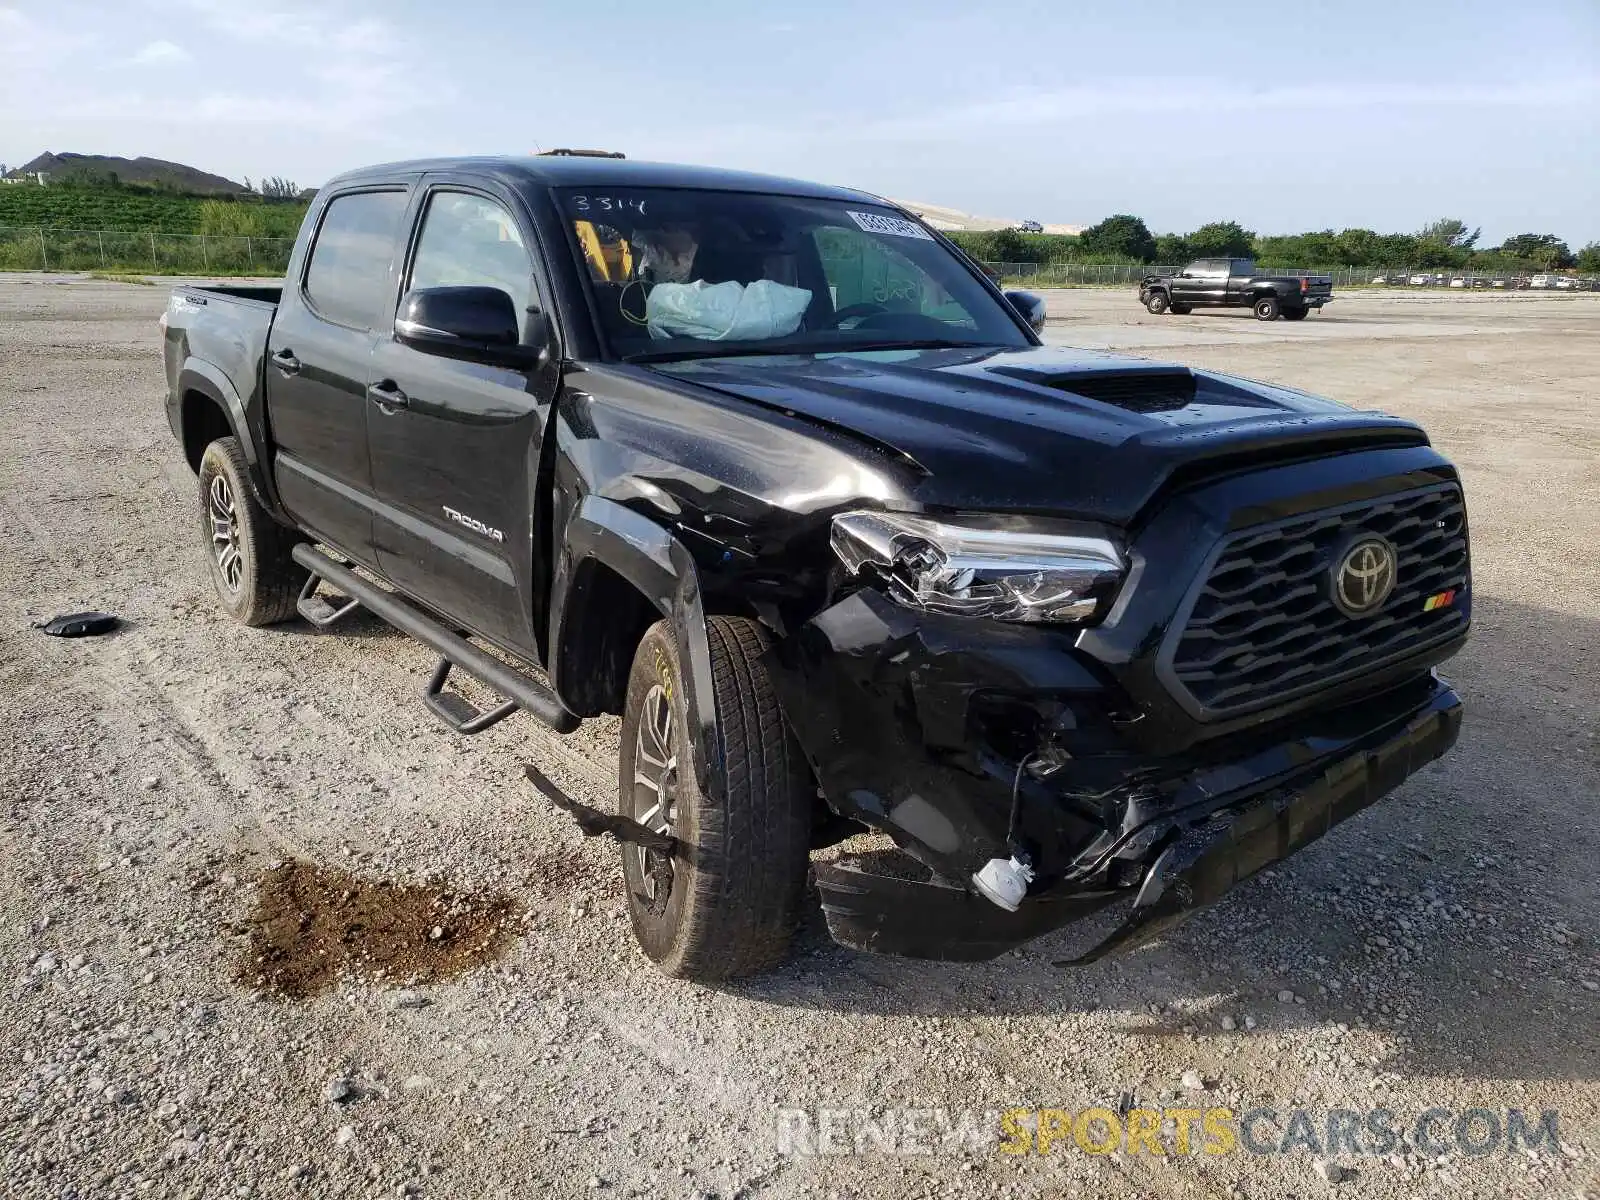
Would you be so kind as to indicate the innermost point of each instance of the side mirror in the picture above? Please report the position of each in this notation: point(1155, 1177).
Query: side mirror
point(478, 324)
point(1030, 306)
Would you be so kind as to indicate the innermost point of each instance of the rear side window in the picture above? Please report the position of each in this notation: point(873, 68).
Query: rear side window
point(347, 279)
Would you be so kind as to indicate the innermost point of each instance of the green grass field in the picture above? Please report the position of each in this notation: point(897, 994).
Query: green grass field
point(136, 210)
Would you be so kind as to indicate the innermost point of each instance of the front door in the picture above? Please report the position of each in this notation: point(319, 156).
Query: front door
point(455, 456)
point(318, 357)
point(1209, 287)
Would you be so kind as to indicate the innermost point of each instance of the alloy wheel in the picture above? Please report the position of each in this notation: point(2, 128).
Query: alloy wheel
point(225, 545)
point(655, 791)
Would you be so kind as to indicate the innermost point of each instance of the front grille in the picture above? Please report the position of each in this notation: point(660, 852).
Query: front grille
point(1263, 626)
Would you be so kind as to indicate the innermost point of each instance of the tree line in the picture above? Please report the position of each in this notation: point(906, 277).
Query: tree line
point(1124, 238)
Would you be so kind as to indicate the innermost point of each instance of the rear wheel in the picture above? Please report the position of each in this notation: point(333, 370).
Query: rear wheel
point(1295, 314)
point(1266, 308)
point(727, 903)
point(255, 577)
point(1157, 303)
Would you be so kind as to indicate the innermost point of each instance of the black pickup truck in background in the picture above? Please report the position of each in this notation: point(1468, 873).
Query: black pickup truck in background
point(775, 473)
point(1234, 283)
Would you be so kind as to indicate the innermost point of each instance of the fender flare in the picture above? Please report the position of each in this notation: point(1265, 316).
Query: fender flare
point(197, 375)
point(658, 565)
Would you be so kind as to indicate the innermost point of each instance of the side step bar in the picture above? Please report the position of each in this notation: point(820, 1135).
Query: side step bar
point(527, 694)
point(322, 611)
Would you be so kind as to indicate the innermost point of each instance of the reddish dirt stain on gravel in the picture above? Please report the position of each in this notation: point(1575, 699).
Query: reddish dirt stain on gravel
point(311, 925)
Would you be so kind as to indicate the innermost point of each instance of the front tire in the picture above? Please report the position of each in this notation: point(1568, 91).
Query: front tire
point(1267, 308)
point(1158, 303)
point(727, 903)
point(1181, 310)
point(256, 579)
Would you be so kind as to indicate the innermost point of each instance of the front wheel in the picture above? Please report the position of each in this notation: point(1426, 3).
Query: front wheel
point(1181, 310)
point(727, 902)
point(1267, 308)
point(256, 578)
point(1157, 303)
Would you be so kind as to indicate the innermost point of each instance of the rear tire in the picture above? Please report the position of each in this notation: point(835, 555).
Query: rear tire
point(1266, 308)
point(727, 903)
point(256, 579)
point(1295, 314)
point(1157, 303)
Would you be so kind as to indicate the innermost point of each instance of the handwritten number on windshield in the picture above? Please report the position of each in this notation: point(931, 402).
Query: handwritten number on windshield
point(608, 204)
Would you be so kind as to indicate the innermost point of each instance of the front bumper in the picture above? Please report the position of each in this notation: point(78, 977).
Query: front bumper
point(884, 705)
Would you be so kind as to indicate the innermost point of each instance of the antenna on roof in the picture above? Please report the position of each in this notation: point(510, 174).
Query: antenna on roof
point(564, 152)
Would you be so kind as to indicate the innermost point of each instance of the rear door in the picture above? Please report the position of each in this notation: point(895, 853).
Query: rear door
point(318, 356)
point(456, 466)
point(1240, 272)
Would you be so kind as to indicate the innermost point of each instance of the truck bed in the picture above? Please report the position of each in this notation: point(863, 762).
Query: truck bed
point(225, 326)
point(241, 292)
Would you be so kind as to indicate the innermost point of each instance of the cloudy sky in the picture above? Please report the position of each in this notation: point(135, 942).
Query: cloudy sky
point(1283, 116)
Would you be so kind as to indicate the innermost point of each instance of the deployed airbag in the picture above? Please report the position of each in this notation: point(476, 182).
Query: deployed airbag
point(731, 311)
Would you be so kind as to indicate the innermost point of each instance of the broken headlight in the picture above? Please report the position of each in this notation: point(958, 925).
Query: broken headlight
point(1002, 570)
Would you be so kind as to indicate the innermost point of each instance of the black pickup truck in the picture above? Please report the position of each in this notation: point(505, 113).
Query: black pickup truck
point(774, 472)
point(1234, 283)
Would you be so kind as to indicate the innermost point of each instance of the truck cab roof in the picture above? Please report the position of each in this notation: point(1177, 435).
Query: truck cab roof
point(593, 171)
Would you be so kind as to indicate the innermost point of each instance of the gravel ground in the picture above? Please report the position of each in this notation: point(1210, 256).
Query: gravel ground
point(1436, 952)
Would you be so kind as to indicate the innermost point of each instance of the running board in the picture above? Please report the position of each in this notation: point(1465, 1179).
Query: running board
point(527, 694)
point(323, 611)
point(459, 714)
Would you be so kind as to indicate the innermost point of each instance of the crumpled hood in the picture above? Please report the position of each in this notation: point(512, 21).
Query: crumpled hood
point(1060, 431)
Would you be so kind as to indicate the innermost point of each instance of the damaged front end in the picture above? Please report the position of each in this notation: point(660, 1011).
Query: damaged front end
point(1037, 783)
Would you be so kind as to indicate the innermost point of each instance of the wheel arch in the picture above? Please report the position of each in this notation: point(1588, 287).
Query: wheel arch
point(618, 573)
point(210, 408)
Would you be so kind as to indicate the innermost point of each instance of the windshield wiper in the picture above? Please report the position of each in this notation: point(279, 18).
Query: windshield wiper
point(684, 353)
point(921, 344)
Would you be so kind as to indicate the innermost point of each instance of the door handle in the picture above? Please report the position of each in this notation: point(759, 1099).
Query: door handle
point(388, 395)
point(286, 362)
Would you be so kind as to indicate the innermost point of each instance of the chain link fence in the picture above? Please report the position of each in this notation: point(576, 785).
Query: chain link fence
point(38, 249)
point(24, 249)
point(1129, 275)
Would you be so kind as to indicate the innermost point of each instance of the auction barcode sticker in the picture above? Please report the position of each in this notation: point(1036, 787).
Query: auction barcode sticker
point(893, 226)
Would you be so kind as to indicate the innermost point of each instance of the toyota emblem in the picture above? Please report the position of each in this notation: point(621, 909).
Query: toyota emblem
point(1364, 576)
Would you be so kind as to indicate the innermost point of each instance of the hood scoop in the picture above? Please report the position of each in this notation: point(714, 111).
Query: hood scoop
point(1133, 391)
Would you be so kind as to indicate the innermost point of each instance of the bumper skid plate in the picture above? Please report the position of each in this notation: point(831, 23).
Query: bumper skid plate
point(1194, 868)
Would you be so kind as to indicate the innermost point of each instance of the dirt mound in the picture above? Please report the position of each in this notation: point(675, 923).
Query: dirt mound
point(312, 924)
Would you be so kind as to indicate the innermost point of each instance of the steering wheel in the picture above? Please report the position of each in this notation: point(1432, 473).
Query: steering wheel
point(867, 309)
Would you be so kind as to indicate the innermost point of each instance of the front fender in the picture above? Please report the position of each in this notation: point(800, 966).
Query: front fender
point(661, 569)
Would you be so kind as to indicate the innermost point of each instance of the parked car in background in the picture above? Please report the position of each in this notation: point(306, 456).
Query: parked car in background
point(1234, 283)
point(1542, 281)
point(1458, 282)
point(1566, 284)
point(1421, 280)
point(1030, 227)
